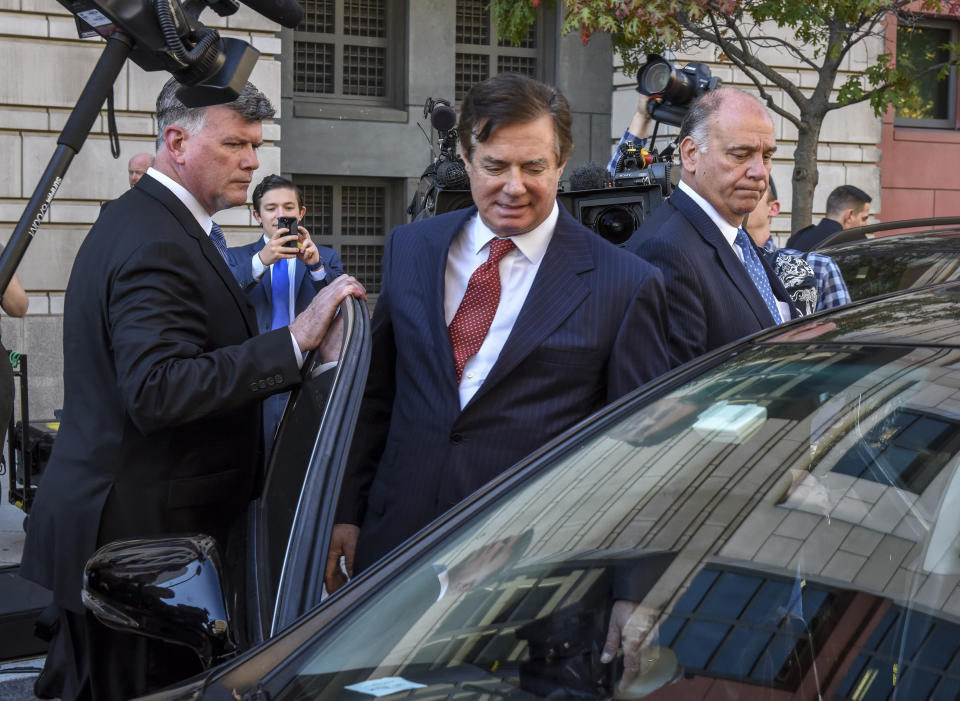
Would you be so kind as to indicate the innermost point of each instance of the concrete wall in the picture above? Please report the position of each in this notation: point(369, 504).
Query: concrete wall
point(849, 150)
point(45, 68)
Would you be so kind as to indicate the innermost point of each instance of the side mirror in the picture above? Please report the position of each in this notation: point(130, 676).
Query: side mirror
point(165, 588)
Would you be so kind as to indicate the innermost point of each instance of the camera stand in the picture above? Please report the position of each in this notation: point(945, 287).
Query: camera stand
point(95, 92)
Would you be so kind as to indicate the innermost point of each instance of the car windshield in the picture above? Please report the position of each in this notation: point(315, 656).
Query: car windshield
point(777, 525)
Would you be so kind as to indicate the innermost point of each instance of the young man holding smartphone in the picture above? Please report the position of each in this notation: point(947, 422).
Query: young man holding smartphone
point(282, 270)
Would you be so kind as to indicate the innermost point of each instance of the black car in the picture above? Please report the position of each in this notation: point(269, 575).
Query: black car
point(892, 256)
point(774, 520)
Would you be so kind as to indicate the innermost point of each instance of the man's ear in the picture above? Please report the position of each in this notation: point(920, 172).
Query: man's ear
point(774, 209)
point(846, 217)
point(256, 215)
point(175, 141)
point(689, 152)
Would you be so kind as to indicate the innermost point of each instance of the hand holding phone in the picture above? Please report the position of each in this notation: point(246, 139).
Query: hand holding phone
point(289, 223)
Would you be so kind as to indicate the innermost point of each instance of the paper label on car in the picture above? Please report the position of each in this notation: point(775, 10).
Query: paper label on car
point(384, 686)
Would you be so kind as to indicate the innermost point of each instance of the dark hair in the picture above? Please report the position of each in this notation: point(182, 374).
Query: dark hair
point(846, 197)
point(251, 104)
point(773, 189)
point(513, 98)
point(274, 182)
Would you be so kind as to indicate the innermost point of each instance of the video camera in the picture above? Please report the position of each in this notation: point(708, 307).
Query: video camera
point(444, 185)
point(615, 206)
point(157, 35)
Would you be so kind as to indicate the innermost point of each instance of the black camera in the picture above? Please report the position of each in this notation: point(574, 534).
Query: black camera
point(671, 90)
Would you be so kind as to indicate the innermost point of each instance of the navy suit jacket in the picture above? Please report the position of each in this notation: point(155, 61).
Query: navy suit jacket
point(712, 300)
point(592, 328)
point(261, 291)
point(810, 237)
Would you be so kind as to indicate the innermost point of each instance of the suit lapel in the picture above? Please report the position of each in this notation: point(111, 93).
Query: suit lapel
point(556, 292)
point(731, 264)
point(431, 271)
point(193, 229)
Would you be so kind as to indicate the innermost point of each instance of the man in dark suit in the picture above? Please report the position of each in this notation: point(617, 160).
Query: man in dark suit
point(718, 288)
point(164, 373)
point(847, 207)
point(280, 280)
point(497, 328)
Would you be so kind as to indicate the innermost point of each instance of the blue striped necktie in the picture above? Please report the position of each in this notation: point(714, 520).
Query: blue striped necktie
point(756, 272)
point(217, 237)
point(280, 289)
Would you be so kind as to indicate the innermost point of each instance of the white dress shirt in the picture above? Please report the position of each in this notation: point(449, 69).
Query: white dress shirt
point(518, 268)
point(729, 232)
point(206, 223)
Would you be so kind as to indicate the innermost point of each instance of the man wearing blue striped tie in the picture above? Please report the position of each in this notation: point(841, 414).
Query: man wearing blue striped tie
point(718, 288)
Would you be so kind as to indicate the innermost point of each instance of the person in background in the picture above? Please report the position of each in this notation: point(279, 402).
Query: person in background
point(281, 271)
point(831, 290)
point(847, 207)
point(137, 166)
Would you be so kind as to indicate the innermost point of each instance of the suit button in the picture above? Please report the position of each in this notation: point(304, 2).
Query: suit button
point(262, 384)
point(270, 381)
point(456, 438)
point(253, 386)
point(278, 379)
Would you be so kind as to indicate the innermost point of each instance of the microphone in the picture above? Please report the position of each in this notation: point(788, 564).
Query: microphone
point(590, 176)
point(443, 117)
point(287, 13)
point(451, 175)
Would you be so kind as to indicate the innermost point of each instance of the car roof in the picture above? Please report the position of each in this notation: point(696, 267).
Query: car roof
point(925, 241)
point(928, 316)
point(932, 228)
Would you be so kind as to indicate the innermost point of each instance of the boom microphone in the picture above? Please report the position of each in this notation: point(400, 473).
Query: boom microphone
point(287, 13)
point(443, 117)
point(590, 176)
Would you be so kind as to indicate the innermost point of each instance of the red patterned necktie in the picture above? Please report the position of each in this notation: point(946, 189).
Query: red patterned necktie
point(479, 305)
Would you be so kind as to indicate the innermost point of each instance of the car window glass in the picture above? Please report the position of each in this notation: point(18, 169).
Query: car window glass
point(880, 269)
point(785, 521)
point(294, 446)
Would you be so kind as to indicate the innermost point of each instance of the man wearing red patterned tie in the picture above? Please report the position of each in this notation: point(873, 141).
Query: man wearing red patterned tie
point(497, 328)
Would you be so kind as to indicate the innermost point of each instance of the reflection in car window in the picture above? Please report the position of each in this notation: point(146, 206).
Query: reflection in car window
point(878, 269)
point(769, 517)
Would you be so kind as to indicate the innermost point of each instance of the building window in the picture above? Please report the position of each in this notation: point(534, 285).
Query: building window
point(352, 216)
point(347, 50)
point(921, 50)
point(479, 54)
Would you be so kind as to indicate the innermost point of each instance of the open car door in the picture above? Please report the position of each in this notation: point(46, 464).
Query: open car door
point(291, 523)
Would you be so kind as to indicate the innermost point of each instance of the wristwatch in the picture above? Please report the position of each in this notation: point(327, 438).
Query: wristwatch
point(316, 266)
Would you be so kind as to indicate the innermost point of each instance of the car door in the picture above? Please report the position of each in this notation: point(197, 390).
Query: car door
point(291, 522)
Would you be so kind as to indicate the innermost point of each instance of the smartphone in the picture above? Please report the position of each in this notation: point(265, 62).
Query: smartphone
point(289, 223)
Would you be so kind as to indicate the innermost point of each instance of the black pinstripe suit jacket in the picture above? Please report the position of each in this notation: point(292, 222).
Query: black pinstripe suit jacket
point(591, 329)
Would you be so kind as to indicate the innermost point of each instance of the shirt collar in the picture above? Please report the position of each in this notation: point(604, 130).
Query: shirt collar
point(728, 230)
point(184, 195)
point(533, 244)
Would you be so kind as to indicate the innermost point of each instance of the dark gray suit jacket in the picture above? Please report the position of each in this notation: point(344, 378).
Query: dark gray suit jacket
point(711, 298)
point(591, 329)
point(163, 376)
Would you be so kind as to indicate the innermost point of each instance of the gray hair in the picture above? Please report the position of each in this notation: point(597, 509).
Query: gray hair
point(251, 104)
point(695, 122)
